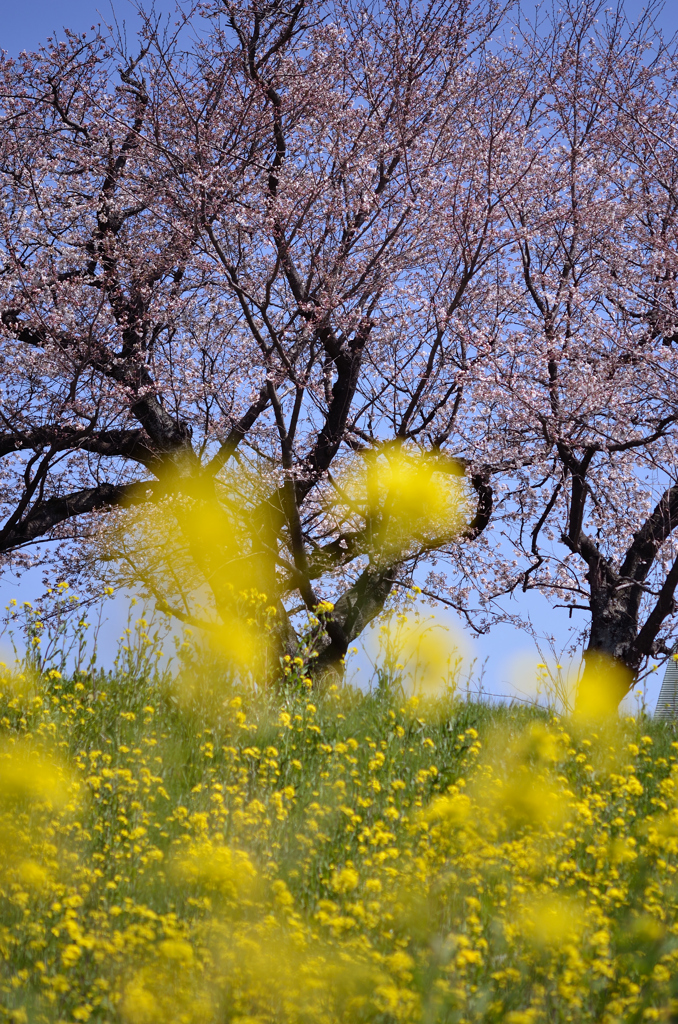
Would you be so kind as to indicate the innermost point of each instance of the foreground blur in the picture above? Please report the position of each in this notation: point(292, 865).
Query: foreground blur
point(219, 854)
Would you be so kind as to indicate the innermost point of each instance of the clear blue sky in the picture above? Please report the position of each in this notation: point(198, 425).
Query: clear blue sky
point(24, 25)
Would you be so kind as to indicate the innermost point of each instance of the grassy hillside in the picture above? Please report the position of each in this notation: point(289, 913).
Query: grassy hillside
point(188, 852)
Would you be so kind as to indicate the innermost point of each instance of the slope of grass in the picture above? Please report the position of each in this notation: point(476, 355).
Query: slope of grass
point(199, 853)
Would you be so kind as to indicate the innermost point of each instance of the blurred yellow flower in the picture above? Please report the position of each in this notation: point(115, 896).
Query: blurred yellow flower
point(28, 776)
point(547, 921)
point(218, 869)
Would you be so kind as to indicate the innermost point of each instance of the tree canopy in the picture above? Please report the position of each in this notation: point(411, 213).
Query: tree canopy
point(315, 299)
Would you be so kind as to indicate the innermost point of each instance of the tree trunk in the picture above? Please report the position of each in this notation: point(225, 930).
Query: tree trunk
point(353, 612)
point(611, 661)
point(604, 683)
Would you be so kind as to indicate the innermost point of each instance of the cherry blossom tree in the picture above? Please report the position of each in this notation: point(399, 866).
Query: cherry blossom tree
point(336, 295)
point(234, 261)
point(582, 379)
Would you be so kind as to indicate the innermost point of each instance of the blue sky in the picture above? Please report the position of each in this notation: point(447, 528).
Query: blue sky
point(24, 25)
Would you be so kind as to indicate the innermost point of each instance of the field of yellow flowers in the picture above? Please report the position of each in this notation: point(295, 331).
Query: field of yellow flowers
point(212, 854)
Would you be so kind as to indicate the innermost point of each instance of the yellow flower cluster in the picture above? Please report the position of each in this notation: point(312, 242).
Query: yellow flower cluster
point(266, 858)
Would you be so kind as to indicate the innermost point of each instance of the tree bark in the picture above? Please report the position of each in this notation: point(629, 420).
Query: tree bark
point(618, 642)
point(353, 612)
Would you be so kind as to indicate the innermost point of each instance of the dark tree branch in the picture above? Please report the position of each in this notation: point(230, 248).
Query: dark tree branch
point(48, 513)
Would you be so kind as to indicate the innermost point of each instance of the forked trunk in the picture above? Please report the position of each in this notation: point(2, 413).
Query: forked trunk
point(353, 612)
